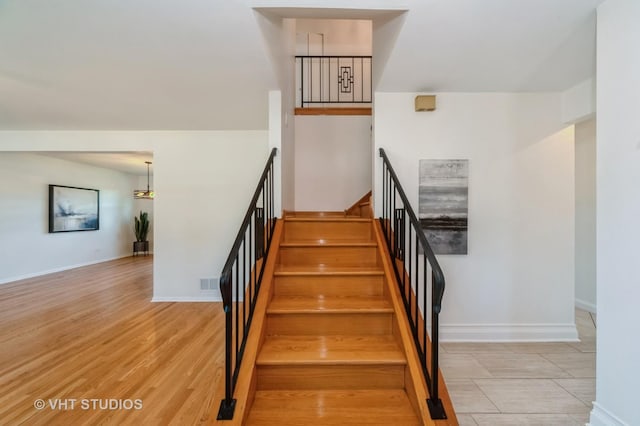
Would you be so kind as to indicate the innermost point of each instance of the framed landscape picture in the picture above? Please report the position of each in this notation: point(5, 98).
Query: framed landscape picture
point(443, 208)
point(73, 209)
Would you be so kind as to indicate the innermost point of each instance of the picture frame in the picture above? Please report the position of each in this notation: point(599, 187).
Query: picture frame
point(73, 209)
point(444, 204)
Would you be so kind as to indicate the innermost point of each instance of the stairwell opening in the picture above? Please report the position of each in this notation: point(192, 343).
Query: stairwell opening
point(332, 140)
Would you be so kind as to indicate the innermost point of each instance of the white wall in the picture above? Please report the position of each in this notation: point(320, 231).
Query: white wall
point(26, 246)
point(618, 210)
point(203, 180)
point(517, 282)
point(585, 135)
point(288, 117)
point(279, 36)
point(579, 102)
point(341, 36)
point(333, 167)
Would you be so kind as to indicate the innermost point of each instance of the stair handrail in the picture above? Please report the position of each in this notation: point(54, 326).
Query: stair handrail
point(408, 276)
point(255, 234)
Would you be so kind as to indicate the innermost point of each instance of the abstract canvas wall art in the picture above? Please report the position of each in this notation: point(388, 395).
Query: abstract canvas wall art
point(73, 209)
point(444, 204)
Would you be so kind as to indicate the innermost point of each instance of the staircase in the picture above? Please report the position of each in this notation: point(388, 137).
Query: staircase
point(331, 351)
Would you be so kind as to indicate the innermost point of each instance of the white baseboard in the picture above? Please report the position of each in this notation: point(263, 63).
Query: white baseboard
point(508, 333)
point(213, 297)
point(586, 306)
point(60, 269)
point(603, 417)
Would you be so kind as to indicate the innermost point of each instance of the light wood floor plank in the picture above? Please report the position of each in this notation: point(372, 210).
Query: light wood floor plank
point(92, 332)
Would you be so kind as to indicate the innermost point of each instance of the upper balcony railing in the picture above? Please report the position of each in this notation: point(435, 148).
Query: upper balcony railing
point(330, 80)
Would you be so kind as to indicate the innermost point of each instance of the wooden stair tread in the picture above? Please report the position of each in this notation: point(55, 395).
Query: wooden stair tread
point(328, 244)
point(330, 350)
point(332, 407)
point(314, 270)
point(327, 219)
point(310, 214)
point(322, 305)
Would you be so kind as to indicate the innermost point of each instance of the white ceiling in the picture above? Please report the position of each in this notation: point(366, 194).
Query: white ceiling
point(493, 46)
point(203, 64)
point(122, 64)
point(127, 162)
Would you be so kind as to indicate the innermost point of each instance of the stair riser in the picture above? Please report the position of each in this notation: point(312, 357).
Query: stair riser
point(329, 256)
point(328, 286)
point(334, 407)
point(318, 324)
point(325, 230)
point(324, 377)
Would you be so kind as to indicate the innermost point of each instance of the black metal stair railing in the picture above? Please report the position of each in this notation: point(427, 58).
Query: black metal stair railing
point(241, 278)
point(419, 277)
point(333, 80)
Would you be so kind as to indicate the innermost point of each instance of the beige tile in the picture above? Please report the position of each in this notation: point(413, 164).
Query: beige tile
point(524, 420)
point(584, 389)
point(576, 364)
point(461, 366)
point(466, 420)
point(582, 314)
point(585, 327)
point(586, 330)
point(583, 373)
point(476, 348)
point(580, 419)
point(574, 360)
point(530, 396)
point(541, 348)
point(507, 348)
point(585, 322)
point(520, 366)
point(586, 344)
point(468, 398)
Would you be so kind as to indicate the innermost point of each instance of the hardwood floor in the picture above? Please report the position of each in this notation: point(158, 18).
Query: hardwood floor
point(92, 333)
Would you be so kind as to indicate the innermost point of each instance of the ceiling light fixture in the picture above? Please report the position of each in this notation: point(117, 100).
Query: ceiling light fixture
point(141, 194)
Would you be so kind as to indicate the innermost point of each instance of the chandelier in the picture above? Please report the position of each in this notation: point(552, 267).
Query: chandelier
point(141, 194)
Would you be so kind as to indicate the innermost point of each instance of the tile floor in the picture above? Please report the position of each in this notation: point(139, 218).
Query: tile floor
point(514, 384)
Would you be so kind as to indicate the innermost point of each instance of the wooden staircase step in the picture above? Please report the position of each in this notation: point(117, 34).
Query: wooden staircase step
point(327, 270)
point(319, 324)
point(328, 285)
point(330, 254)
point(324, 244)
point(327, 281)
point(328, 229)
point(309, 214)
point(313, 376)
point(332, 407)
point(331, 350)
point(338, 217)
point(328, 305)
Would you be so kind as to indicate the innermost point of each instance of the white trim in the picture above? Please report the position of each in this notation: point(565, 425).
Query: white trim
point(586, 306)
point(508, 333)
point(603, 417)
point(60, 269)
point(215, 297)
